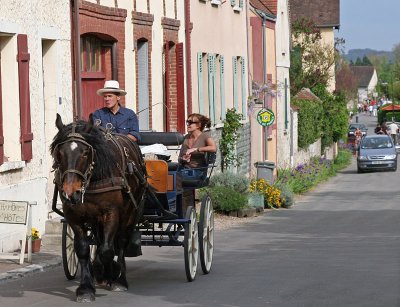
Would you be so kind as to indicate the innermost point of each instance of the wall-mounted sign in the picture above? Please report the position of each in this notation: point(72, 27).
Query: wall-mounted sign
point(265, 117)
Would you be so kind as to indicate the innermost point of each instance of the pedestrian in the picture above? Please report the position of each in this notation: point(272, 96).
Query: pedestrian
point(394, 129)
point(120, 119)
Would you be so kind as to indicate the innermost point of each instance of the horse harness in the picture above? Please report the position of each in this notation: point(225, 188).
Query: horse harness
point(109, 184)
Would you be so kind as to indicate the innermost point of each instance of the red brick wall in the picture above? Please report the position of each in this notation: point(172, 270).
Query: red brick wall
point(108, 23)
point(170, 35)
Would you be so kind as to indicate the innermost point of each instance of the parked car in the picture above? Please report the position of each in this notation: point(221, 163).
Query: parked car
point(376, 152)
point(353, 127)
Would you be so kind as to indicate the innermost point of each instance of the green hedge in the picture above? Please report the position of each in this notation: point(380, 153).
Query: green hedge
point(309, 121)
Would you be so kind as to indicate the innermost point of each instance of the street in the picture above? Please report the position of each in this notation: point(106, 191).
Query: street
point(339, 245)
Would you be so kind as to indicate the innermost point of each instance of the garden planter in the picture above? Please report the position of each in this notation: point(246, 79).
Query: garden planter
point(256, 200)
point(35, 246)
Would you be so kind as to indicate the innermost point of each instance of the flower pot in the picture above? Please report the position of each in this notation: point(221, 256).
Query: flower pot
point(35, 246)
point(256, 200)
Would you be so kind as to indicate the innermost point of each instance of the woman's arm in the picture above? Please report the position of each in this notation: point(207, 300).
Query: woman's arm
point(210, 147)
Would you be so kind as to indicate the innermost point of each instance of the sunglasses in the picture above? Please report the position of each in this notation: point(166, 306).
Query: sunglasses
point(189, 122)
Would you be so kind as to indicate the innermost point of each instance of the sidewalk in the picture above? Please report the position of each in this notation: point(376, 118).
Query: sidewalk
point(44, 260)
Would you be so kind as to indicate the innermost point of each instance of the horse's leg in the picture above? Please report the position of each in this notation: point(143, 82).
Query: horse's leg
point(86, 290)
point(121, 284)
point(106, 253)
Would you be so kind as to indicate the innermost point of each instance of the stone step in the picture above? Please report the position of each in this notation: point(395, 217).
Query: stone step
point(53, 226)
point(51, 240)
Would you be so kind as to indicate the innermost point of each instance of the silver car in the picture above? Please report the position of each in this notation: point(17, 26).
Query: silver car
point(376, 152)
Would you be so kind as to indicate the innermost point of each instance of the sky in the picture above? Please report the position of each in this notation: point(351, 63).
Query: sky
point(373, 24)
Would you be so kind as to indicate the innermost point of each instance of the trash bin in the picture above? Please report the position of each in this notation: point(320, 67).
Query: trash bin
point(265, 170)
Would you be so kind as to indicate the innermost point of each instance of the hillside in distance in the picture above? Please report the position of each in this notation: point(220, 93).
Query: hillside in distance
point(353, 54)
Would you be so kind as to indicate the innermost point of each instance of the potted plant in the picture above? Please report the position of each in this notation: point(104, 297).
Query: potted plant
point(36, 241)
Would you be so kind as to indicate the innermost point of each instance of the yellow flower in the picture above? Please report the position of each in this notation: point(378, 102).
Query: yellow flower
point(35, 233)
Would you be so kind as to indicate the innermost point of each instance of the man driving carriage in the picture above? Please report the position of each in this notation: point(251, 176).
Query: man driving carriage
point(114, 116)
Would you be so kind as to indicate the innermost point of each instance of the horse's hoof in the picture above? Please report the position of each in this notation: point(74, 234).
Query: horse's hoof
point(118, 288)
point(85, 298)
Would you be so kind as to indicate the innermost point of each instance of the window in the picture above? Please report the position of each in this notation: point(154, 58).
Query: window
point(15, 120)
point(237, 4)
point(143, 85)
point(90, 54)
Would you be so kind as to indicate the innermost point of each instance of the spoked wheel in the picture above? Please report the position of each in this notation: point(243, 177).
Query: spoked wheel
point(191, 244)
point(206, 233)
point(69, 257)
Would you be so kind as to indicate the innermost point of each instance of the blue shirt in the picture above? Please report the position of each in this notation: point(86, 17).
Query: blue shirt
point(124, 121)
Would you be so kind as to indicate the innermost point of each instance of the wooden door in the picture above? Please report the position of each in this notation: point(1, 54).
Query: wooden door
point(96, 68)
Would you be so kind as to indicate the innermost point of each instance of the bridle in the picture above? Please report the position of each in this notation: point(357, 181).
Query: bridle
point(86, 176)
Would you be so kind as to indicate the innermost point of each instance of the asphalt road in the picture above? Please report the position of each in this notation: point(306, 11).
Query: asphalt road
point(338, 246)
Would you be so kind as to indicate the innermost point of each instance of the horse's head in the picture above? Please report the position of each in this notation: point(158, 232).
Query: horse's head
point(73, 161)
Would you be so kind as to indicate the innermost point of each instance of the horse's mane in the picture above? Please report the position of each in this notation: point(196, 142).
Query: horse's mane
point(105, 157)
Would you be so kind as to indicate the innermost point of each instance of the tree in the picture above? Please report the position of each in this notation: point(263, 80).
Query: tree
point(358, 62)
point(366, 61)
point(311, 60)
point(346, 82)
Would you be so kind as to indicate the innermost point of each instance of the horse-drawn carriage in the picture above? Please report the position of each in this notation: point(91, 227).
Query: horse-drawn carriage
point(114, 202)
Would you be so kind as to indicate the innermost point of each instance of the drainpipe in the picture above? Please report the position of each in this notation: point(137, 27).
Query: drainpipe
point(188, 58)
point(76, 42)
point(264, 81)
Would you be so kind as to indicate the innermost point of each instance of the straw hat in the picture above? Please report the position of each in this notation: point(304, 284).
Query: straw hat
point(111, 86)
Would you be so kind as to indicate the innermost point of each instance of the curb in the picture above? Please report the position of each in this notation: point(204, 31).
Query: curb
point(30, 270)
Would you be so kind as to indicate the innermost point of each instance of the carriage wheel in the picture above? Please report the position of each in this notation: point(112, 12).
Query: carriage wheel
point(69, 257)
point(206, 234)
point(191, 244)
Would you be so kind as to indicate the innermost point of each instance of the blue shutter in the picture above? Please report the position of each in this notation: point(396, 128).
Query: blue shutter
point(211, 86)
point(200, 81)
point(244, 96)
point(222, 87)
point(233, 2)
point(241, 3)
point(235, 80)
point(286, 103)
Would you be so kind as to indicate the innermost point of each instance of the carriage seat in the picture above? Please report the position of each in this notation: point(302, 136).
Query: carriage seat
point(165, 138)
point(195, 182)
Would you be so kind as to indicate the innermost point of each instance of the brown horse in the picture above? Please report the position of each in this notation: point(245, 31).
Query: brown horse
point(101, 182)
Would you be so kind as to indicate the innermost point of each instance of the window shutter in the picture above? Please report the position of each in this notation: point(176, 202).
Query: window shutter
point(235, 80)
point(180, 84)
point(241, 3)
point(211, 86)
point(200, 81)
point(143, 85)
point(222, 87)
point(286, 103)
point(233, 2)
point(24, 97)
point(244, 96)
point(1, 123)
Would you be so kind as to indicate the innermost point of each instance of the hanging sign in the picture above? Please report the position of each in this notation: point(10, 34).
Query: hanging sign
point(265, 117)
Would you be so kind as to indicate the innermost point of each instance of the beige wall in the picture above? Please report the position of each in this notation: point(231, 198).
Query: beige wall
point(218, 30)
point(47, 25)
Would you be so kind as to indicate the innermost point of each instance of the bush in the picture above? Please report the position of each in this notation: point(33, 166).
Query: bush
point(226, 199)
point(306, 175)
point(343, 159)
point(227, 179)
